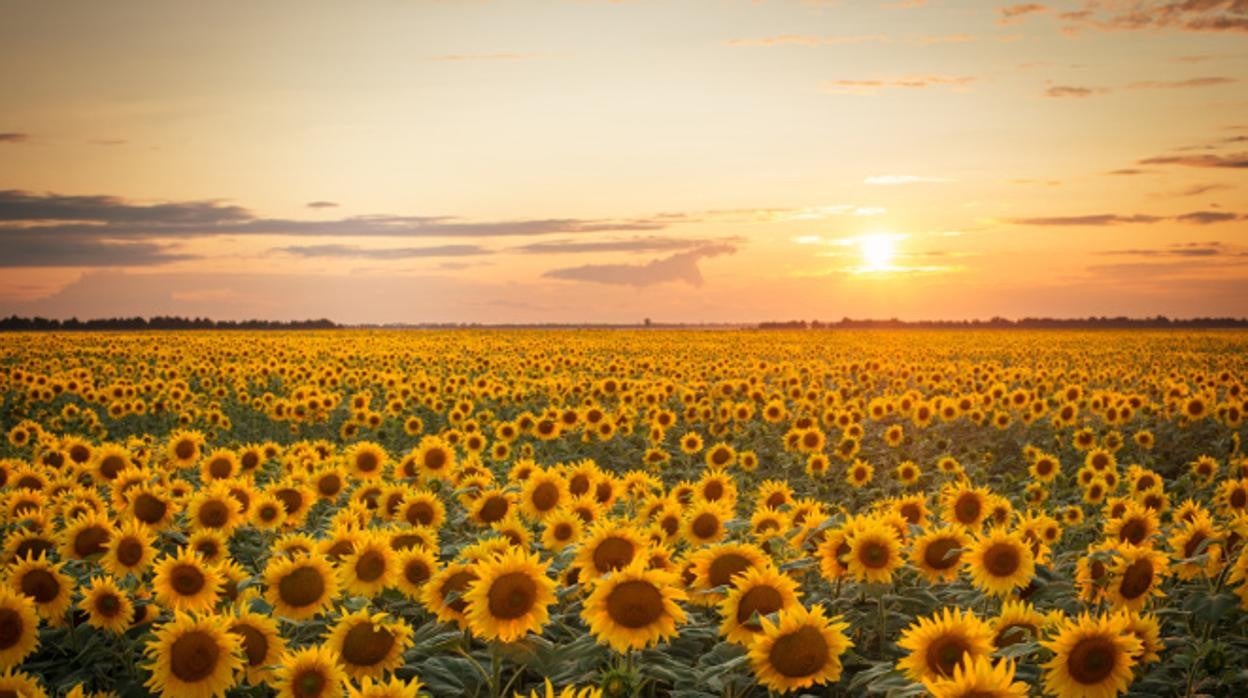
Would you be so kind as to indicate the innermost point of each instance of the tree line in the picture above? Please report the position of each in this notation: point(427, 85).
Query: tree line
point(1120, 322)
point(159, 322)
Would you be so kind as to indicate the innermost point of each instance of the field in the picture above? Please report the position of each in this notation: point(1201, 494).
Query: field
point(633, 513)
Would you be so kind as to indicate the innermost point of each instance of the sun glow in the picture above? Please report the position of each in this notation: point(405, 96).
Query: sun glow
point(877, 252)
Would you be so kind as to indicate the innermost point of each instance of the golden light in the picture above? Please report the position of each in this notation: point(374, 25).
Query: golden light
point(877, 252)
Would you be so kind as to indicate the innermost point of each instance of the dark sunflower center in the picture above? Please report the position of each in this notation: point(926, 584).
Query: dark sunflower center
point(761, 600)
point(713, 491)
point(11, 628)
point(302, 587)
point(310, 683)
point(1092, 660)
point(40, 585)
point(705, 525)
point(149, 508)
point(187, 580)
point(1133, 531)
point(458, 582)
point(967, 509)
point(420, 514)
point(1002, 559)
point(90, 541)
point(329, 485)
point(255, 644)
point(800, 653)
point(416, 571)
point(193, 656)
point(129, 551)
point(724, 567)
point(944, 653)
point(494, 509)
point(370, 566)
point(545, 496)
point(1137, 579)
point(635, 604)
point(1013, 633)
point(214, 514)
point(613, 553)
point(367, 644)
point(108, 605)
point(184, 450)
point(435, 459)
point(220, 467)
point(936, 554)
point(512, 595)
point(874, 555)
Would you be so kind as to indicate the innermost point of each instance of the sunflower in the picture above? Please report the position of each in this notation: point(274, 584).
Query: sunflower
point(565, 692)
point(1147, 629)
point(185, 582)
point(561, 529)
point(1135, 577)
point(422, 508)
point(369, 644)
point(755, 593)
point(1136, 525)
point(1000, 561)
point(370, 566)
point(1193, 540)
point(262, 644)
point(106, 605)
point(802, 648)
point(443, 594)
point(415, 566)
point(938, 553)
point(129, 550)
point(42, 581)
point(299, 587)
point(938, 643)
point(19, 628)
point(267, 513)
point(715, 567)
point(874, 552)
point(978, 677)
point(633, 607)
point(1092, 657)
point(150, 506)
point(196, 657)
point(312, 672)
point(21, 684)
point(965, 505)
point(210, 544)
point(185, 447)
point(85, 536)
point(608, 547)
point(1017, 622)
point(435, 459)
point(221, 464)
point(491, 506)
point(329, 482)
point(859, 474)
point(510, 597)
point(394, 687)
point(703, 523)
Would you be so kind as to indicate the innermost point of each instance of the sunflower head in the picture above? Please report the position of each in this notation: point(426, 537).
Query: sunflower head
point(802, 648)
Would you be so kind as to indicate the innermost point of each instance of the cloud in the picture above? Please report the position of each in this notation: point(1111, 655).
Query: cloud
point(887, 180)
point(1013, 13)
point(108, 141)
point(636, 244)
point(1198, 189)
point(33, 249)
point(1234, 161)
point(678, 267)
point(913, 82)
point(1207, 217)
point(1107, 219)
point(1129, 171)
point(1060, 91)
point(322, 204)
point(1180, 15)
point(351, 251)
point(12, 137)
point(1177, 84)
point(1186, 249)
point(108, 217)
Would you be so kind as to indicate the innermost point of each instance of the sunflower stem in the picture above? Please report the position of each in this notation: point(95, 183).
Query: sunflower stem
point(496, 671)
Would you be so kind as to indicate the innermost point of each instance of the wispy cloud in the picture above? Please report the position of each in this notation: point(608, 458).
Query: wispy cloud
point(636, 244)
point(14, 137)
point(1208, 81)
point(322, 204)
point(1234, 161)
point(913, 82)
point(887, 180)
point(352, 251)
point(1109, 219)
point(1062, 91)
point(1180, 15)
point(681, 267)
point(1014, 13)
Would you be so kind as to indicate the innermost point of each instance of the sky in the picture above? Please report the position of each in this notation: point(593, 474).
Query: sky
point(516, 161)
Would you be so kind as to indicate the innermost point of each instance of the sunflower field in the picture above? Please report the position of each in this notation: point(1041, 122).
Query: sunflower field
point(624, 513)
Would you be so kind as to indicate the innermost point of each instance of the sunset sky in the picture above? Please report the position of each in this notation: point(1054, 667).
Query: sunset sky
point(580, 160)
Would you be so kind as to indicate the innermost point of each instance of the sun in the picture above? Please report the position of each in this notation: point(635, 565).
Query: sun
point(878, 251)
